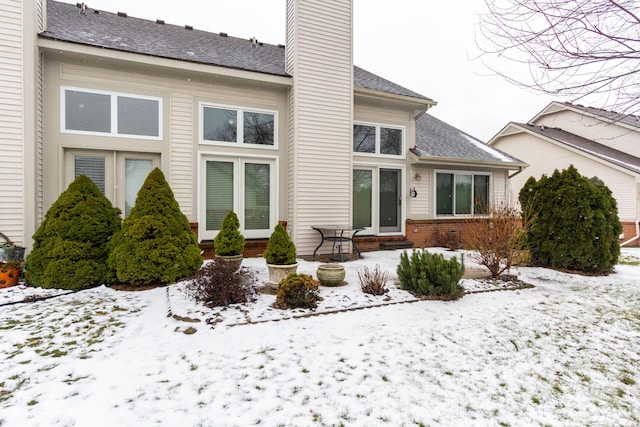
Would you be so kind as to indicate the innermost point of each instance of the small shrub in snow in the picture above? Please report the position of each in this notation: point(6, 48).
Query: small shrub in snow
point(220, 284)
point(431, 275)
point(373, 281)
point(298, 291)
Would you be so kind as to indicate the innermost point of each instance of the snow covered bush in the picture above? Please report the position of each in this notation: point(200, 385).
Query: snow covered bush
point(70, 248)
point(156, 244)
point(431, 275)
point(576, 226)
point(220, 284)
point(298, 291)
point(373, 281)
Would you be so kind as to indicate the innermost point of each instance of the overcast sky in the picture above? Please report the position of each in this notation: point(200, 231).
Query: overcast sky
point(427, 46)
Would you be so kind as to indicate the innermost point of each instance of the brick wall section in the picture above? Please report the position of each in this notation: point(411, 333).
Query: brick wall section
point(629, 230)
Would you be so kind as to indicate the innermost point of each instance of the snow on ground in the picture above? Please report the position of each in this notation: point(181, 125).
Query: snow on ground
point(564, 353)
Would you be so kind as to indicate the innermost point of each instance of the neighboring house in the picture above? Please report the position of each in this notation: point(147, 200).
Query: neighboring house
point(294, 134)
point(597, 142)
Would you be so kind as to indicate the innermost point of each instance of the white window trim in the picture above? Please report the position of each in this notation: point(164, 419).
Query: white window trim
point(114, 113)
point(375, 203)
point(459, 172)
point(238, 201)
point(377, 154)
point(240, 123)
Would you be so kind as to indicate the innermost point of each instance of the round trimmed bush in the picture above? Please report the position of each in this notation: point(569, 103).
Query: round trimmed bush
point(70, 248)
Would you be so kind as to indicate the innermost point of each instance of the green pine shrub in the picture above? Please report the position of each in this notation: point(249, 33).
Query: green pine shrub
point(156, 244)
point(220, 284)
point(431, 275)
point(70, 248)
point(298, 291)
point(229, 240)
point(280, 249)
point(576, 225)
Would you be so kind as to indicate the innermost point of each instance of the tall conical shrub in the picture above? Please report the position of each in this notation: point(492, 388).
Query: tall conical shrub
point(70, 248)
point(229, 240)
point(280, 249)
point(576, 225)
point(156, 244)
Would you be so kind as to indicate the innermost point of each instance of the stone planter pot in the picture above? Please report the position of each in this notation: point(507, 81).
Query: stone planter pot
point(278, 272)
point(330, 274)
point(233, 260)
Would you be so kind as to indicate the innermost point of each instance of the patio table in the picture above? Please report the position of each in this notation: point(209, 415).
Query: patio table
point(337, 235)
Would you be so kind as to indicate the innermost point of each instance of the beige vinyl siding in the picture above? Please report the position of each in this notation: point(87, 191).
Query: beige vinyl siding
point(544, 157)
point(620, 137)
point(319, 57)
point(12, 120)
point(181, 151)
point(421, 206)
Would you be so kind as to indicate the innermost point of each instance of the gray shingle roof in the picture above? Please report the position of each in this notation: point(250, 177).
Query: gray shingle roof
point(111, 31)
point(438, 140)
point(616, 157)
point(627, 119)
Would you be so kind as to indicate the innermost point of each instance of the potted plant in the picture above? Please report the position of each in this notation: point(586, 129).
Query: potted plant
point(229, 242)
point(11, 262)
point(280, 256)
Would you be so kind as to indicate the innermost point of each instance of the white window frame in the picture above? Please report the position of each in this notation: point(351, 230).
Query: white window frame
point(240, 126)
point(238, 161)
point(377, 153)
point(460, 172)
point(114, 113)
point(375, 202)
point(114, 170)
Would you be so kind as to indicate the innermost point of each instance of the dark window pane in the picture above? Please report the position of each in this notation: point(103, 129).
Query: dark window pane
point(463, 194)
point(86, 111)
point(362, 197)
point(444, 194)
point(219, 197)
point(138, 116)
point(364, 139)
point(257, 198)
point(391, 141)
point(220, 124)
point(481, 194)
point(258, 128)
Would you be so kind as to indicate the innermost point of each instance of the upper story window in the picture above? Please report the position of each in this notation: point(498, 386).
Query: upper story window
point(86, 111)
point(238, 126)
point(462, 193)
point(378, 139)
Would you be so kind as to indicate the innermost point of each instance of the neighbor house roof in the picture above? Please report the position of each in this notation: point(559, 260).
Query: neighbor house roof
point(603, 152)
point(610, 116)
point(438, 141)
point(155, 38)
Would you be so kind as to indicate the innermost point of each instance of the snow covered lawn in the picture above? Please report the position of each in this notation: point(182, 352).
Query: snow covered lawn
point(566, 352)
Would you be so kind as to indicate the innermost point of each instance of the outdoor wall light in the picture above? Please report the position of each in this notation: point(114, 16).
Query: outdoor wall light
point(416, 177)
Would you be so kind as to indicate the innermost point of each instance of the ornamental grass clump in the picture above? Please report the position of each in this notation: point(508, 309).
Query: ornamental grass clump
point(219, 283)
point(431, 275)
point(70, 248)
point(155, 245)
point(373, 281)
point(298, 291)
point(229, 241)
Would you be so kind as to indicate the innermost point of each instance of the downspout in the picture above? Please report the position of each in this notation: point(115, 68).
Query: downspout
point(520, 169)
point(637, 236)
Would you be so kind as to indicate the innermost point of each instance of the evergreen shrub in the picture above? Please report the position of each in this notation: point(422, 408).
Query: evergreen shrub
point(229, 240)
point(576, 225)
point(298, 291)
point(431, 275)
point(156, 244)
point(70, 248)
point(220, 284)
point(280, 249)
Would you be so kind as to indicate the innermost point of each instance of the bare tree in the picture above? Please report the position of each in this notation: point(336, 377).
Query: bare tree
point(575, 48)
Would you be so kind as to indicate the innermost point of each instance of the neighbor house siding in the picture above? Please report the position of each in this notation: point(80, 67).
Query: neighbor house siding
point(12, 120)
point(544, 157)
point(618, 136)
point(319, 57)
point(181, 151)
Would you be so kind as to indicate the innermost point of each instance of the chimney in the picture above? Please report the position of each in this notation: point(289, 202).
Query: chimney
point(319, 57)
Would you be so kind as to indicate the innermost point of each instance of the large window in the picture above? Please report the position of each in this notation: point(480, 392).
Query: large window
point(238, 126)
point(113, 114)
point(462, 193)
point(376, 139)
point(246, 186)
point(118, 175)
point(377, 200)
